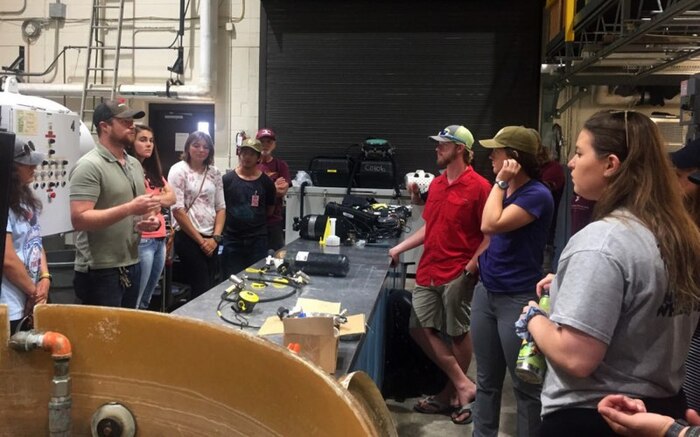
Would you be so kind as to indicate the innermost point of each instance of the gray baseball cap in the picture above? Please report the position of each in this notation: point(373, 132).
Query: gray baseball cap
point(26, 154)
point(114, 109)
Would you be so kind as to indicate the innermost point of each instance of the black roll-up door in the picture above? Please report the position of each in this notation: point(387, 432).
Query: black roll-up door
point(336, 72)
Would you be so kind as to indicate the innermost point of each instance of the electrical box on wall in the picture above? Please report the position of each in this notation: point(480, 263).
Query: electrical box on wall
point(56, 134)
point(57, 10)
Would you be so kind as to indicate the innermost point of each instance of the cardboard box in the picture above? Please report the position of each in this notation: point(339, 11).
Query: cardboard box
point(318, 339)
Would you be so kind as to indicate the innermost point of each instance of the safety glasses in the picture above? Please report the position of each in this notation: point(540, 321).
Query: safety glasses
point(627, 134)
point(445, 133)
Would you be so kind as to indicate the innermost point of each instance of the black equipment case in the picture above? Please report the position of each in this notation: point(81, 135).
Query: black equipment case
point(329, 171)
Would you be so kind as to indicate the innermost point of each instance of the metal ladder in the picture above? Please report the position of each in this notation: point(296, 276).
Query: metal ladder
point(99, 65)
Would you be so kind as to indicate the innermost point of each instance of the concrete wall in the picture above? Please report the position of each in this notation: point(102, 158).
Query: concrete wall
point(151, 23)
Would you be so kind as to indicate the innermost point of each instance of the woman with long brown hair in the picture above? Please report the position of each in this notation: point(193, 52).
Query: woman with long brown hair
point(625, 295)
point(152, 244)
point(25, 279)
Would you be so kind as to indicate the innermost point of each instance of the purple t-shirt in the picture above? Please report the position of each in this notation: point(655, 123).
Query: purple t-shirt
point(513, 261)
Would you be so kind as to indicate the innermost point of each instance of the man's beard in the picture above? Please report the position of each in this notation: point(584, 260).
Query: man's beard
point(125, 141)
point(446, 159)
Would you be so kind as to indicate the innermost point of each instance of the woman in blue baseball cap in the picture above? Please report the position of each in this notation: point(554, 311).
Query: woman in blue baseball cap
point(25, 279)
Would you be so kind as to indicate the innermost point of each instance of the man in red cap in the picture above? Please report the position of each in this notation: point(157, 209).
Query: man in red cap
point(278, 171)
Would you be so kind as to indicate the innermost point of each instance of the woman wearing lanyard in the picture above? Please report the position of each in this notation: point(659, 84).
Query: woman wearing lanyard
point(152, 244)
point(199, 211)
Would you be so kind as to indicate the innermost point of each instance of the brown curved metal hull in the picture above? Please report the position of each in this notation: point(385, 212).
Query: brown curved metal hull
point(178, 376)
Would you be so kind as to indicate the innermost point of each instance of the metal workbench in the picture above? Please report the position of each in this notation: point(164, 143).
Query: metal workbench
point(363, 290)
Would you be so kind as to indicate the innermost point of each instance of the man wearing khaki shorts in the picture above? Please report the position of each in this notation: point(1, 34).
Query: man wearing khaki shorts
point(447, 270)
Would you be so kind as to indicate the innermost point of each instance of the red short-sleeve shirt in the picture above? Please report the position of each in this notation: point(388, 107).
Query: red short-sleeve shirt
point(452, 217)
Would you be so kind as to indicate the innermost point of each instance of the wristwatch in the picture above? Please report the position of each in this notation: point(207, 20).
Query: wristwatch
point(676, 428)
point(503, 185)
point(217, 238)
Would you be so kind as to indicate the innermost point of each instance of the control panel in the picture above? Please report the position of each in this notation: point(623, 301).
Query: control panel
point(57, 136)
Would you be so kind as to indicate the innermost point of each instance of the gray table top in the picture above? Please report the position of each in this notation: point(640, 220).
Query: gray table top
point(358, 292)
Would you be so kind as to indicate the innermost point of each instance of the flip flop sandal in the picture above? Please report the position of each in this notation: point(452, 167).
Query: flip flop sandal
point(430, 405)
point(457, 414)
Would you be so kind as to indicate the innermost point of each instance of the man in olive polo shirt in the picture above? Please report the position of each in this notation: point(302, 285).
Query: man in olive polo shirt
point(109, 210)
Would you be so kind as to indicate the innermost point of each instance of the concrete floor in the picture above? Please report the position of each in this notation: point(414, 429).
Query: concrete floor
point(412, 424)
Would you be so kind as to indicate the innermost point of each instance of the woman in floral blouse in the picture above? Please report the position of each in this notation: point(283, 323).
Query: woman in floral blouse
point(199, 211)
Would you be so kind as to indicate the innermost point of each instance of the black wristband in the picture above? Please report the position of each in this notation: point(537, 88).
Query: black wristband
point(693, 431)
point(675, 430)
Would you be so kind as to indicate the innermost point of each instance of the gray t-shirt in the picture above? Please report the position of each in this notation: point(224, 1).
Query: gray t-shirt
point(612, 285)
point(99, 177)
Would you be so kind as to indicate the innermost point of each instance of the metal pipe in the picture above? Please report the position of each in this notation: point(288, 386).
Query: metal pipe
point(200, 90)
point(58, 345)
point(60, 402)
point(19, 11)
point(208, 39)
point(60, 348)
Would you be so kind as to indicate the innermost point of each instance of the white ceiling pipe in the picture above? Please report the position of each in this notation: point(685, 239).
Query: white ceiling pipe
point(200, 90)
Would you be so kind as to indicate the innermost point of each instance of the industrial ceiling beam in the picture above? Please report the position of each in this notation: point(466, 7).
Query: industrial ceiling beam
point(678, 59)
point(583, 18)
point(672, 11)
